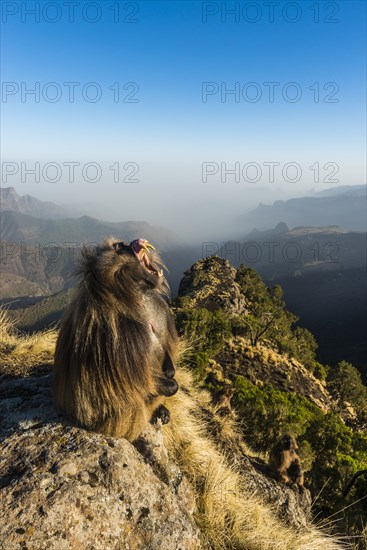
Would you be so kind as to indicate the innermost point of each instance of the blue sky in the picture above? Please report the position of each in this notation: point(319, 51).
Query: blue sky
point(168, 53)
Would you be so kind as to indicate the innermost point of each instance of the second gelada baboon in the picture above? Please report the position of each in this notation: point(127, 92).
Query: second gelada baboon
point(285, 462)
point(117, 345)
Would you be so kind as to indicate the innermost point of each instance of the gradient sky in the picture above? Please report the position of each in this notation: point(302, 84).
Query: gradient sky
point(171, 49)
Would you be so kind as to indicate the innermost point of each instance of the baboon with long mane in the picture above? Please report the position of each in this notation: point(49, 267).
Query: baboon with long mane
point(285, 462)
point(117, 345)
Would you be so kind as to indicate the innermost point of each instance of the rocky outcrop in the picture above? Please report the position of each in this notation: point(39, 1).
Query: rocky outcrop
point(64, 488)
point(291, 503)
point(210, 284)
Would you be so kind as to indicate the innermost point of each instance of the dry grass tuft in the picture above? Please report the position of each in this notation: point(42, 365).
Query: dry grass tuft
point(24, 354)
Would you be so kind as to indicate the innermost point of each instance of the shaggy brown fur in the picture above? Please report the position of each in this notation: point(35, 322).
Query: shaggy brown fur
point(114, 359)
point(285, 462)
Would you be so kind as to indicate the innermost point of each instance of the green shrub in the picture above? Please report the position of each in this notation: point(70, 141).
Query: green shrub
point(345, 384)
point(207, 330)
point(266, 413)
point(330, 450)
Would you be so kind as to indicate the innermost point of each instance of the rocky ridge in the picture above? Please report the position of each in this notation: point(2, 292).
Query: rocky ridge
point(211, 284)
point(66, 488)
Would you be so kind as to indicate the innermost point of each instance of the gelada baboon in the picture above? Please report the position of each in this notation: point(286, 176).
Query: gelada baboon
point(222, 400)
point(285, 462)
point(117, 345)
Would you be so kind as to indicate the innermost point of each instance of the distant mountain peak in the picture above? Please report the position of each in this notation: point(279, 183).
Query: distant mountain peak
point(353, 190)
point(282, 227)
point(9, 191)
point(26, 204)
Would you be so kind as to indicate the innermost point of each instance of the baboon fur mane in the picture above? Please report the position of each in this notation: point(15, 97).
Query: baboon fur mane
point(114, 338)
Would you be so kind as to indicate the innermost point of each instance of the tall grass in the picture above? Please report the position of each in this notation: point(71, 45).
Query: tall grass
point(21, 354)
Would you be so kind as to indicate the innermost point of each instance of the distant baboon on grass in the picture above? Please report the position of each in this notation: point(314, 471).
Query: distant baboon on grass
point(115, 354)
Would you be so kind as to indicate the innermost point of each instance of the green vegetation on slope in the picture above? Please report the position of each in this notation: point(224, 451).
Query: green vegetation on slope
point(333, 446)
point(43, 314)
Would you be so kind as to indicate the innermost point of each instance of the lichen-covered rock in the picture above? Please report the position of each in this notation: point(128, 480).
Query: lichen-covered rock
point(293, 504)
point(210, 284)
point(63, 488)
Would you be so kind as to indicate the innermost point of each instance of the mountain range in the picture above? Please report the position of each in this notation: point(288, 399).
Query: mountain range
point(322, 270)
point(344, 207)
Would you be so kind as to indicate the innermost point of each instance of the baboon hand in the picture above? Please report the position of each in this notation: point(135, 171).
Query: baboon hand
point(161, 413)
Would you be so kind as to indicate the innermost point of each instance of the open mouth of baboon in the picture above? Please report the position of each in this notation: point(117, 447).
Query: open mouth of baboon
point(141, 250)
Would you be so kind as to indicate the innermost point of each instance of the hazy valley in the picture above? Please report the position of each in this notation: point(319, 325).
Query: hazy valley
point(322, 270)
